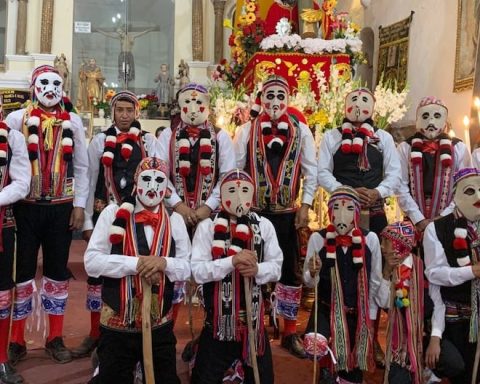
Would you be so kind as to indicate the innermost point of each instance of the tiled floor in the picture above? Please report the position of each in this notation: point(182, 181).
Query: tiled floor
point(39, 369)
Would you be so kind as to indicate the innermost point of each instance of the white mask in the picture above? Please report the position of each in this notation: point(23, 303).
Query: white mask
point(467, 197)
point(343, 216)
point(237, 196)
point(275, 101)
point(194, 107)
point(431, 120)
point(151, 187)
point(48, 89)
point(359, 106)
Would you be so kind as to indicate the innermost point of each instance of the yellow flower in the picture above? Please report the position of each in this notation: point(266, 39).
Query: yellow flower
point(251, 7)
point(250, 18)
point(355, 27)
point(227, 23)
point(242, 19)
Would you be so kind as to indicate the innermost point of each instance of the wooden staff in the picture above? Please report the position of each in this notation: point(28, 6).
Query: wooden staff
point(315, 319)
point(147, 333)
point(251, 334)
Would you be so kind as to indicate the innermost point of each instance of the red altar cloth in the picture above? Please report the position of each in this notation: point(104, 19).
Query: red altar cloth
point(295, 67)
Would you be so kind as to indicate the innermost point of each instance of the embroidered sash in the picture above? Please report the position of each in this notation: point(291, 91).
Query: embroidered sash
point(275, 192)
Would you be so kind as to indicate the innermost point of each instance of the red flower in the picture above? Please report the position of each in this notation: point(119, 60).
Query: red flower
point(223, 61)
point(231, 40)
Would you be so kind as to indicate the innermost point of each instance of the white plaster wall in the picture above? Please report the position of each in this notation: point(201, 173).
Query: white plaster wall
point(431, 62)
point(208, 31)
point(63, 29)
point(34, 18)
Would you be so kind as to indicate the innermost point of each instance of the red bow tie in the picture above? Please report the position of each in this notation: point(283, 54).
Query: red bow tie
point(193, 132)
point(124, 136)
point(147, 218)
point(430, 147)
point(343, 240)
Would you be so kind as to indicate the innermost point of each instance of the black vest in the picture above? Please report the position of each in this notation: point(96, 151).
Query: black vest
point(429, 163)
point(348, 273)
point(444, 228)
point(120, 168)
point(346, 171)
point(191, 179)
point(209, 288)
point(111, 286)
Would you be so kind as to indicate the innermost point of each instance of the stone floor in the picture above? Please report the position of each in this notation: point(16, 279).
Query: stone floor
point(39, 369)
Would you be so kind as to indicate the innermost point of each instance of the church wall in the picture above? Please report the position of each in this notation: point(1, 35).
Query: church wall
point(63, 29)
point(34, 19)
point(183, 32)
point(431, 62)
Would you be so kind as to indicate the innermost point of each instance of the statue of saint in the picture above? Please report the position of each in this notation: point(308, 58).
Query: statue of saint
point(183, 73)
point(126, 64)
point(90, 85)
point(164, 87)
point(60, 64)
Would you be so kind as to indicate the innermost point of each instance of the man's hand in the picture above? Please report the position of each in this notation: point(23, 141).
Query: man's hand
point(367, 196)
point(203, 212)
point(245, 257)
point(154, 279)
point(314, 269)
point(433, 352)
point(148, 266)
point(421, 225)
point(86, 235)
point(301, 217)
point(189, 215)
point(392, 260)
point(248, 270)
point(76, 218)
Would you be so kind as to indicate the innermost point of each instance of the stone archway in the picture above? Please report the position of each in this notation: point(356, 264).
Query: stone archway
point(365, 71)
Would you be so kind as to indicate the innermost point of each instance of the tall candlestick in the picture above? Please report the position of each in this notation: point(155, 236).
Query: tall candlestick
point(466, 122)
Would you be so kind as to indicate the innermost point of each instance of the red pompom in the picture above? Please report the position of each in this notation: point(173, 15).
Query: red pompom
point(184, 150)
point(242, 236)
point(357, 148)
point(64, 115)
point(123, 214)
point(116, 238)
point(417, 160)
point(126, 152)
point(206, 149)
point(32, 147)
point(357, 252)
point(68, 149)
point(205, 170)
point(357, 232)
point(220, 228)
point(217, 251)
point(107, 161)
point(110, 144)
point(459, 243)
point(36, 112)
point(447, 162)
point(184, 171)
point(3, 125)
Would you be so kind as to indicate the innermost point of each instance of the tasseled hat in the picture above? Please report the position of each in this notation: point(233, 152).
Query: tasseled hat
point(123, 215)
point(358, 251)
point(431, 100)
point(41, 69)
point(271, 81)
point(124, 96)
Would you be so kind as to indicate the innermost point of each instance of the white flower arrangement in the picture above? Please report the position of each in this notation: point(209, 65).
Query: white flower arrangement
point(390, 103)
point(312, 46)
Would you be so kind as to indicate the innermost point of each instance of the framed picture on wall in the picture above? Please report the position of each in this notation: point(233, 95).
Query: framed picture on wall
point(87, 121)
point(467, 40)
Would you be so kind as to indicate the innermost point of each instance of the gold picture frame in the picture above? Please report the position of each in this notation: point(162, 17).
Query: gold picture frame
point(87, 121)
point(467, 32)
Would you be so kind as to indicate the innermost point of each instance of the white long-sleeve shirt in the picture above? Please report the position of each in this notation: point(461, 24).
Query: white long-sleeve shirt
point(405, 199)
point(476, 158)
point(95, 152)
point(99, 261)
point(391, 165)
point(440, 273)
point(226, 162)
point(19, 170)
point(204, 269)
point(308, 157)
point(377, 285)
point(80, 159)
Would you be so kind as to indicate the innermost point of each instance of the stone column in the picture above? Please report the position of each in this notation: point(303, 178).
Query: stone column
point(21, 27)
point(219, 8)
point(46, 26)
point(197, 30)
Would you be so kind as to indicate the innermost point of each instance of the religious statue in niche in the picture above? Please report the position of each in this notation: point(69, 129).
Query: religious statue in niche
point(164, 90)
point(90, 86)
point(126, 63)
point(60, 64)
point(183, 74)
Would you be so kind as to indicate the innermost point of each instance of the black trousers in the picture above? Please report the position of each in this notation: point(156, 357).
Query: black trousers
point(119, 352)
point(284, 224)
point(6, 259)
point(323, 327)
point(214, 357)
point(47, 226)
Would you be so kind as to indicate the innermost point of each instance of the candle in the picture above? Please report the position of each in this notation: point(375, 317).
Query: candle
point(466, 122)
point(476, 102)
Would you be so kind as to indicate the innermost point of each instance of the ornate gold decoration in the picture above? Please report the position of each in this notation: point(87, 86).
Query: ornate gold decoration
point(462, 83)
point(21, 39)
point(47, 26)
point(291, 67)
point(218, 8)
point(303, 80)
point(263, 70)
